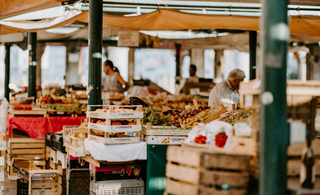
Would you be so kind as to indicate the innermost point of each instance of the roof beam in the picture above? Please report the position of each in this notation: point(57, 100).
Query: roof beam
point(197, 2)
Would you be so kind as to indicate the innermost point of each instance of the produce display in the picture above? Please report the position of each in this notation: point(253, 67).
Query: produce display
point(67, 105)
point(120, 110)
point(190, 116)
point(235, 117)
point(137, 101)
point(151, 115)
point(115, 124)
point(22, 107)
point(162, 102)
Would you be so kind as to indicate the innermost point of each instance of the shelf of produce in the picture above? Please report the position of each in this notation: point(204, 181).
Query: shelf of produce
point(115, 140)
point(124, 115)
point(116, 112)
point(163, 130)
point(116, 128)
point(163, 140)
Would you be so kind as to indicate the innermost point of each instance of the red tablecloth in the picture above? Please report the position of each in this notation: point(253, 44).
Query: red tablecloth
point(36, 127)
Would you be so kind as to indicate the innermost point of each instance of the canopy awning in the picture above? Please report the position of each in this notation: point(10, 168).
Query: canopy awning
point(10, 8)
point(163, 19)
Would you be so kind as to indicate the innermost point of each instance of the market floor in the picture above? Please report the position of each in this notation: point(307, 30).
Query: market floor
point(10, 187)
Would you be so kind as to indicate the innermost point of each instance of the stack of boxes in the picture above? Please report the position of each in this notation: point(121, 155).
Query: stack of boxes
point(111, 126)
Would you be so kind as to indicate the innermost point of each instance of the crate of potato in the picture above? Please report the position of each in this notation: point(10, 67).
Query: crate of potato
point(194, 171)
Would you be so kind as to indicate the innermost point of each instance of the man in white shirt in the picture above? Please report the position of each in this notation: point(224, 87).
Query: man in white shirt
point(227, 91)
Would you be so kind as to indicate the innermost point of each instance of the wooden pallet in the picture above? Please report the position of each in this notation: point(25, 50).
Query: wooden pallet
point(45, 184)
point(29, 148)
point(194, 171)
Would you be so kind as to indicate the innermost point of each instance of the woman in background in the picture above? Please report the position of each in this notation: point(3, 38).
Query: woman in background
point(114, 82)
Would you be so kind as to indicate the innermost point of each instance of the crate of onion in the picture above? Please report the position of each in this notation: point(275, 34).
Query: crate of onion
point(115, 124)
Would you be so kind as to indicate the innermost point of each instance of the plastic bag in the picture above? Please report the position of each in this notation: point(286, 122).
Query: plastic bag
point(242, 129)
point(215, 134)
point(219, 134)
point(196, 131)
point(3, 115)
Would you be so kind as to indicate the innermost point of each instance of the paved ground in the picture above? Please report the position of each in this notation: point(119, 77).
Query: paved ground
point(10, 187)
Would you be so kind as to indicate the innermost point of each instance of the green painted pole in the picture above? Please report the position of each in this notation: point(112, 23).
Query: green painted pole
point(7, 72)
point(274, 129)
point(32, 46)
point(253, 53)
point(95, 52)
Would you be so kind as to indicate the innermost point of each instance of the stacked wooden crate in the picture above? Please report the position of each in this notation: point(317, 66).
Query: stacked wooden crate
point(43, 182)
point(249, 98)
point(2, 160)
point(29, 148)
point(62, 181)
point(195, 171)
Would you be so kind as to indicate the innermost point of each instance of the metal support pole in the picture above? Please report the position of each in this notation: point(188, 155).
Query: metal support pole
point(7, 72)
point(95, 52)
point(32, 46)
point(253, 53)
point(274, 129)
point(178, 52)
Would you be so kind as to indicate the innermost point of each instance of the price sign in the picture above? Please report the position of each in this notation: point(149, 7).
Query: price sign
point(194, 91)
point(128, 38)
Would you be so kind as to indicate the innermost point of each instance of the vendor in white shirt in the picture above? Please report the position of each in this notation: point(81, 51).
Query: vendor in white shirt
point(227, 91)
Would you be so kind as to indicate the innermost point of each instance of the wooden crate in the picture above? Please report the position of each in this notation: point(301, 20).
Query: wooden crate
point(33, 112)
point(43, 182)
point(194, 171)
point(47, 152)
point(29, 148)
point(53, 165)
point(12, 173)
point(294, 152)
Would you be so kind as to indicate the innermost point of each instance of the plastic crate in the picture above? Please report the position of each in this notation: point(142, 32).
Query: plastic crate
point(48, 139)
point(78, 181)
point(74, 164)
point(117, 187)
point(22, 187)
point(57, 142)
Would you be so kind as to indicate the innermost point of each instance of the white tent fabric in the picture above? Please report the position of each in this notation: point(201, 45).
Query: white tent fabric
point(11, 38)
point(40, 14)
point(47, 23)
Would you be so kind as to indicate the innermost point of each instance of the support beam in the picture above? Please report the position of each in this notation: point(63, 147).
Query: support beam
point(274, 131)
point(131, 65)
point(253, 53)
point(197, 58)
point(178, 59)
point(217, 63)
point(40, 50)
point(32, 46)
point(7, 71)
point(95, 52)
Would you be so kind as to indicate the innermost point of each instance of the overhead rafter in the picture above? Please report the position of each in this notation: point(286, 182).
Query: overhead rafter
point(204, 2)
